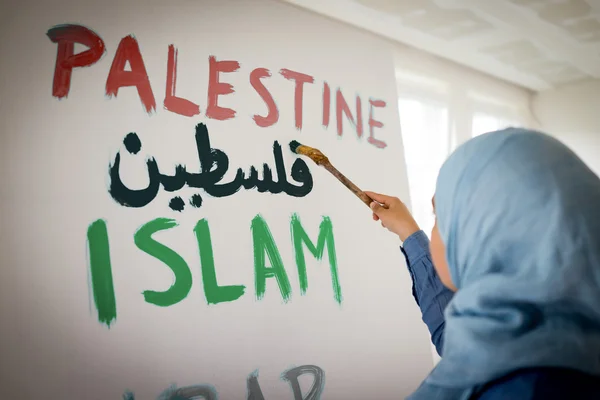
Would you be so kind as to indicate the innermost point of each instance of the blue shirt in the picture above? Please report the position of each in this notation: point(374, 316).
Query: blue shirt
point(432, 297)
point(429, 292)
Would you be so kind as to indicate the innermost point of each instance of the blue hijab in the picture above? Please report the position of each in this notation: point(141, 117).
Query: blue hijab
point(519, 214)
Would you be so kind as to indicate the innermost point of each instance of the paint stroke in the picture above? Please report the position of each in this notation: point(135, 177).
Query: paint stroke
point(128, 395)
point(101, 272)
point(65, 36)
point(132, 143)
point(196, 392)
point(341, 107)
point(325, 239)
point(326, 104)
point(217, 88)
point(273, 112)
point(317, 387)
point(214, 293)
point(177, 204)
point(264, 244)
point(183, 276)
point(373, 123)
point(196, 201)
point(172, 102)
point(118, 77)
point(121, 193)
point(254, 390)
point(300, 80)
point(214, 164)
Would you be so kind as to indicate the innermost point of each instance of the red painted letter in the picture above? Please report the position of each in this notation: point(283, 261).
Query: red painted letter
point(216, 88)
point(129, 50)
point(273, 114)
point(341, 105)
point(375, 124)
point(66, 36)
point(326, 104)
point(172, 102)
point(300, 79)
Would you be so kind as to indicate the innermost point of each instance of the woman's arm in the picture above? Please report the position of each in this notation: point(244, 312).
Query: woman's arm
point(431, 295)
point(429, 292)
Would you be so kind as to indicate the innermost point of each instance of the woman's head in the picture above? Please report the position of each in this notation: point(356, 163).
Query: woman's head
point(518, 231)
point(504, 194)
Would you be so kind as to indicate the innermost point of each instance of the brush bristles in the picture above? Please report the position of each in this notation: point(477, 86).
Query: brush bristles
point(304, 150)
point(294, 145)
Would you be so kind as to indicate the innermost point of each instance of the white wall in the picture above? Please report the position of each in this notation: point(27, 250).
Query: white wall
point(572, 114)
point(55, 341)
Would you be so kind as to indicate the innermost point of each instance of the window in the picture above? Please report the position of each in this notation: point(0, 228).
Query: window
point(425, 133)
point(441, 106)
point(426, 126)
point(483, 123)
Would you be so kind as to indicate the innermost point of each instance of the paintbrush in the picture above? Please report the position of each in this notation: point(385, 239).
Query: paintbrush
point(320, 159)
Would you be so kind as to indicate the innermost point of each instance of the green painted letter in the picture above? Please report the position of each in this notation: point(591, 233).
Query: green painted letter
point(183, 276)
point(101, 272)
point(214, 293)
point(264, 243)
point(300, 237)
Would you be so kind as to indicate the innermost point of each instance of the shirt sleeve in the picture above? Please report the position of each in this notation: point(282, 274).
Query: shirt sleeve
point(431, 295)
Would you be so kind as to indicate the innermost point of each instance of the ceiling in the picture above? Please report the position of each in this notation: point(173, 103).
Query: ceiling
point(538, 44)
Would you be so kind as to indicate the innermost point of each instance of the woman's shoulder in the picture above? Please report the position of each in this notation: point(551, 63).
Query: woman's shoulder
point(542, 383)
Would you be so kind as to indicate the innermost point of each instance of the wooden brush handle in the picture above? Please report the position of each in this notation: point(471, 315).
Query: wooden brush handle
point(348, 183)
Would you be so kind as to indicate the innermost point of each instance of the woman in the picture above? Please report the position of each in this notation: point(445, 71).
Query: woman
point(517, 246)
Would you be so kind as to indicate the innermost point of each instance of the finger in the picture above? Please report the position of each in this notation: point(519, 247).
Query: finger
point(377, 208)
point(380, 198)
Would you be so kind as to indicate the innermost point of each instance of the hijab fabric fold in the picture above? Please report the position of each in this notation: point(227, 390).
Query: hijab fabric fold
point(519, 214)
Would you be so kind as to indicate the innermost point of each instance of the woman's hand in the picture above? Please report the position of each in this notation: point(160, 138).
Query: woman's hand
point(393, 214)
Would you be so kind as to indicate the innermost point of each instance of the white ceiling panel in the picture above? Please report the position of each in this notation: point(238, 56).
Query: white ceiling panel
point(538, 44)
